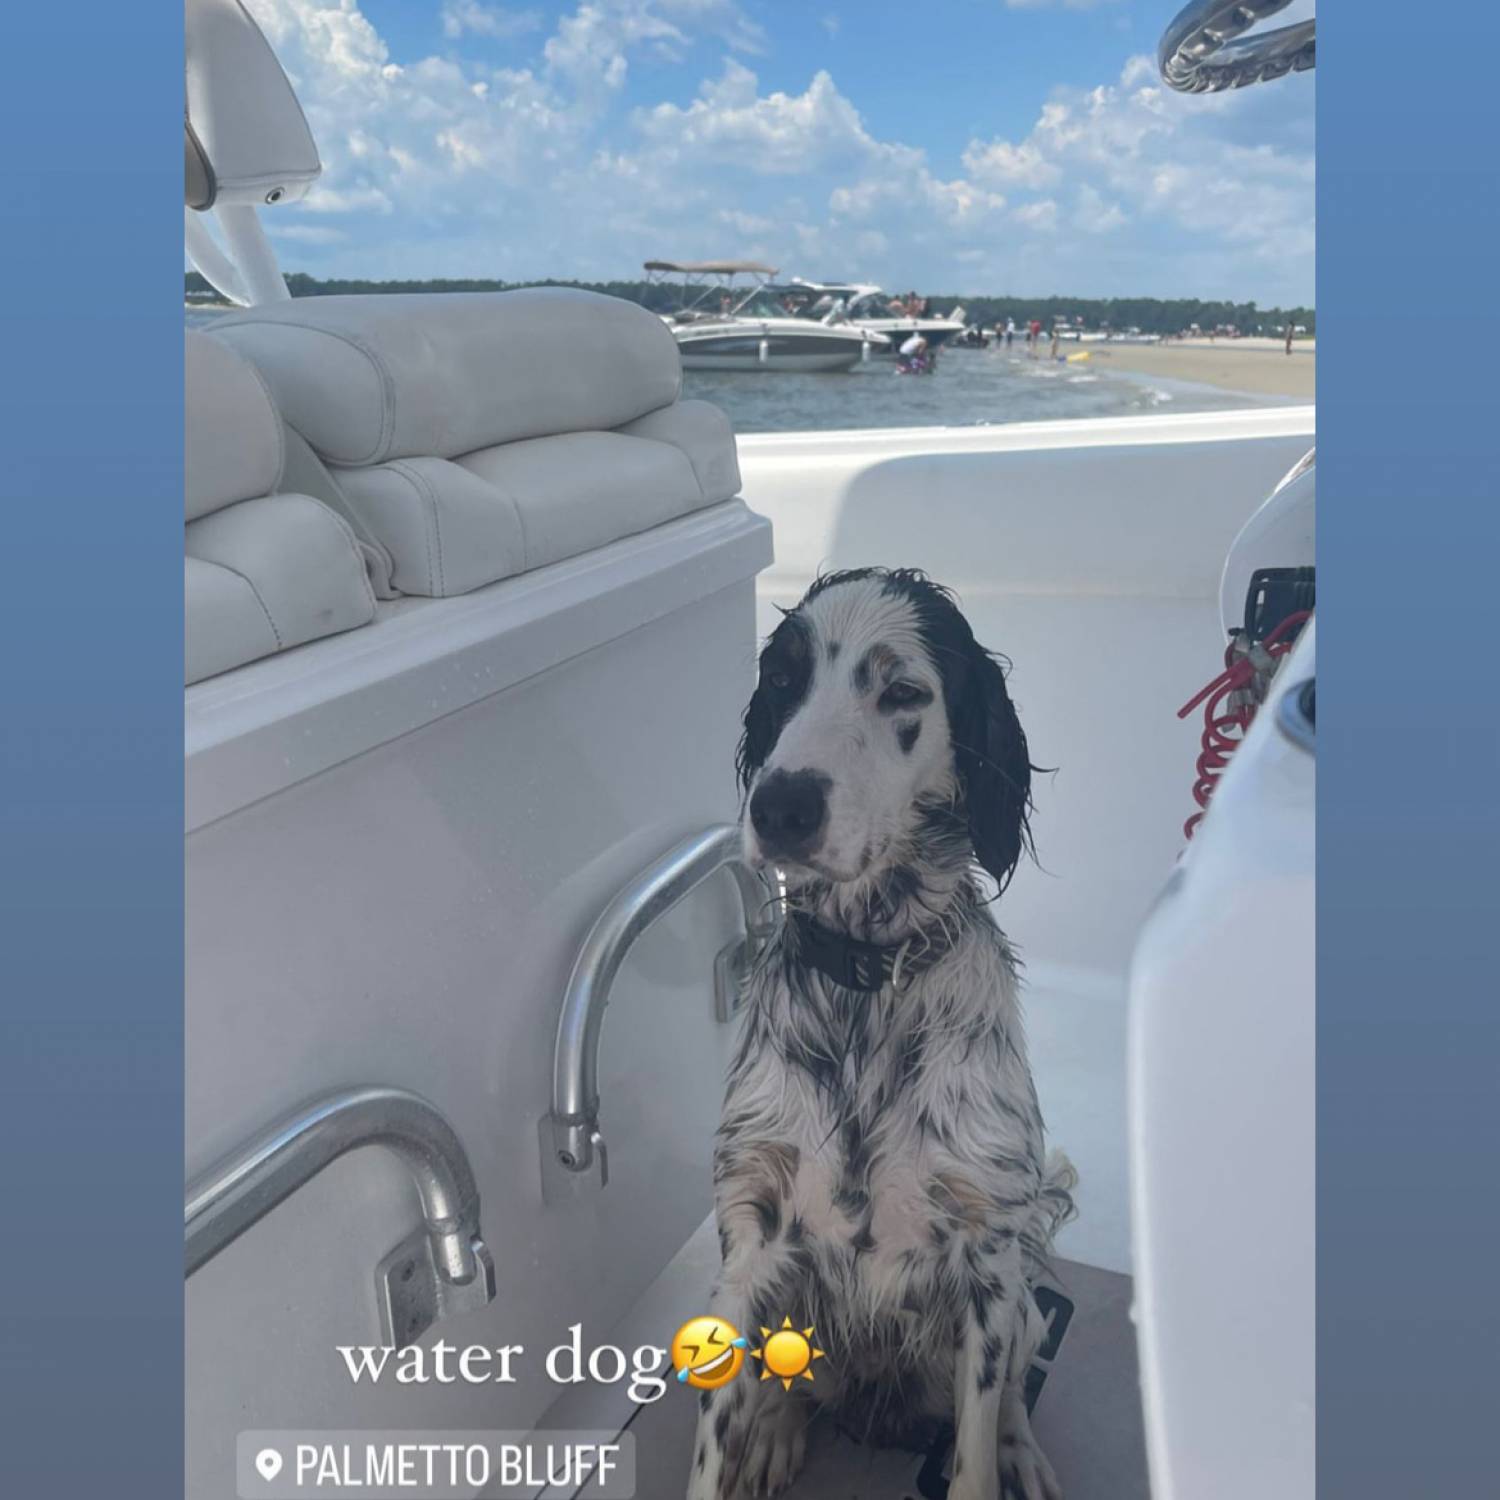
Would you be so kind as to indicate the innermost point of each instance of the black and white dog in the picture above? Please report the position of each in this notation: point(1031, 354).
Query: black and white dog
point(879, 1168)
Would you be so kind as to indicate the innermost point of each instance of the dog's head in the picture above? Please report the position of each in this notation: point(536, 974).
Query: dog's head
point(880, 729)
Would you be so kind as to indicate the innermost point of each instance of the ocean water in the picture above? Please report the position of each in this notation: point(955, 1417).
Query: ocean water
point(969, 388)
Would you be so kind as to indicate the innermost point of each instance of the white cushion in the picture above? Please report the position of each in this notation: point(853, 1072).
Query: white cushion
point(436, 375)
point(263, 571)
point(704, 435)
point(451, 525)
point(232, 439)
point(582, 490)
point(266, 575)
point(225, 624)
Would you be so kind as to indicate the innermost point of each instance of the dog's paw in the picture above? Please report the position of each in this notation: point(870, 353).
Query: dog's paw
point(1025, 1473)
point(775, 1447)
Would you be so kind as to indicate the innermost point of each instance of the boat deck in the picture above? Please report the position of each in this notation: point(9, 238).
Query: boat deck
point(1087, 1419)
point(1087, 1412)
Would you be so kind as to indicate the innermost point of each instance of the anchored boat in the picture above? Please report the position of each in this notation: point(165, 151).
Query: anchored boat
point(750, 329)
point(865, 305)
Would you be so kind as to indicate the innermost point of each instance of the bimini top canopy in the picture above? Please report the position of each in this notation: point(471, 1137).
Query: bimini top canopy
point(712, 267)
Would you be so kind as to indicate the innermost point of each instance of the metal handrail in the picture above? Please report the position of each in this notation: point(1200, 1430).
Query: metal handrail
point(575, 1134)
point(1204, 49)
point(243, 1187)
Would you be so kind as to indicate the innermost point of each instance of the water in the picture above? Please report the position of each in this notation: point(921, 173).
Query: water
point(970, 388)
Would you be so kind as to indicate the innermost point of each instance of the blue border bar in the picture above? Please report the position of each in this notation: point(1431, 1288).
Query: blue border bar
point(91, 753)
point(1409, 752)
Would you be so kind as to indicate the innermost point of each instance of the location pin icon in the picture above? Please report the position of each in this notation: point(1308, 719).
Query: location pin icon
point(268, 1461)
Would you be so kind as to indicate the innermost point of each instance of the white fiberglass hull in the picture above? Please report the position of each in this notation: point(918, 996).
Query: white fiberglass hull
point(766, 344)
point(937, 331)
point(709, 359)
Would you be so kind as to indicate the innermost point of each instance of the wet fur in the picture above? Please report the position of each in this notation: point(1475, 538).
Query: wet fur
point(880, 1168)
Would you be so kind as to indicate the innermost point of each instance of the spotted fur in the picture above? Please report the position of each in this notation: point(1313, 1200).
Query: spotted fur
point(880, 1170)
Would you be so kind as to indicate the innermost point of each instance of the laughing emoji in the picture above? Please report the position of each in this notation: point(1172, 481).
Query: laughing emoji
point(707, 1353)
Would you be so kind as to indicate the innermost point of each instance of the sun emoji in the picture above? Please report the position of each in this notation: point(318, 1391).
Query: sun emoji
point(786, 1354)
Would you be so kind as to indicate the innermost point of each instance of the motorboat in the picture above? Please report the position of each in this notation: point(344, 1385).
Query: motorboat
point(472, 601)
point(866, 305)
point(730, 327)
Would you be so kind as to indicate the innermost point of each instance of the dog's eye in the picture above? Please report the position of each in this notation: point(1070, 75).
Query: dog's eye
point(781, 681)
point(904, 695)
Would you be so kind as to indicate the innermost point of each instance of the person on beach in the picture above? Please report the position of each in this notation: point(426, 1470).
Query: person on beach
point(1289, 336)
point(1010, 331)
point(1056, 337)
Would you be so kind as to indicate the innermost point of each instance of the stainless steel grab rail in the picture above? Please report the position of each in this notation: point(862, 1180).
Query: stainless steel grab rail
point(242, 1188)
point(570, 1133)
point(1204, 48)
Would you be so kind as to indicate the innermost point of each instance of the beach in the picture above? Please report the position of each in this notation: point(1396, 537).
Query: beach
point(1255, 366)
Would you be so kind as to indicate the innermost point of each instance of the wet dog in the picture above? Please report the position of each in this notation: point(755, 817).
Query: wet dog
point(880, 1174)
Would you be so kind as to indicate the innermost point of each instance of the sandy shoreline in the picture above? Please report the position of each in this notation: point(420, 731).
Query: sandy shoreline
point(1258, 368)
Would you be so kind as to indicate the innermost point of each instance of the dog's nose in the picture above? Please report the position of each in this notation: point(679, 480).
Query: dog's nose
point(788, 811)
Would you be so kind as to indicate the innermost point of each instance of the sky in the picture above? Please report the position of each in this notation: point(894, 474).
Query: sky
point(1022, 147)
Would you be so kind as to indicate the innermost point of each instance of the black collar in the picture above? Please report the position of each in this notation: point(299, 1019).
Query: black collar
point(849, 962)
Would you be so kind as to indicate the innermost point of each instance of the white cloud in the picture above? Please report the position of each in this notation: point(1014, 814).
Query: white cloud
point(743, 223)
point(1000, 161)
point(308, 234)
point(732, 122)
point(494, 21)
point(1040, 214)
point(1093, 214)
point(1155, 170)
point(591, 46)
point(450, 165)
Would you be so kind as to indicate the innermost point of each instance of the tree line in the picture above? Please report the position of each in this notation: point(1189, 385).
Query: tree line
point(1149, 314)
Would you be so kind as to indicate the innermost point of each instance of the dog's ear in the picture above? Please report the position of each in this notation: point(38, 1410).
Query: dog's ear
point(762, 721)
point(758, 738)
point(993, 764)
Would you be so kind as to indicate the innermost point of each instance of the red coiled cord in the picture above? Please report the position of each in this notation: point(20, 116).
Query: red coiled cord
point(1222, 732)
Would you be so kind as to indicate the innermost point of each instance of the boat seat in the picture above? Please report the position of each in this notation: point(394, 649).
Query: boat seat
point(480, 435)
point(263, 570)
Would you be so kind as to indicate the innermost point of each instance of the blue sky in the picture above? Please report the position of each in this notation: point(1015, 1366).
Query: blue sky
point(1020, 146)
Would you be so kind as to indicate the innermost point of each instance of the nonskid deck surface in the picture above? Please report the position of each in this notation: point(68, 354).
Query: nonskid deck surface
point(1087, 1418)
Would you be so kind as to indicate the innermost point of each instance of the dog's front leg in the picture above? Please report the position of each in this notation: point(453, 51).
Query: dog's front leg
point(722, 1415)
point(995, 1456)
point(756, 1265)
point(978, 1381)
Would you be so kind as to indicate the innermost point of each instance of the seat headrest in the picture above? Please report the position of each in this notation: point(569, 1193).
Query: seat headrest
point(370, 378)
point(233, 441)
point(241, 110)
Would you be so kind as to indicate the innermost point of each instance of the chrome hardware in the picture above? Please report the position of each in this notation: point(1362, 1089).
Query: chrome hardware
point(449, 1262)
point(414, 1294)
point(1205, 49)
point(570, 1135)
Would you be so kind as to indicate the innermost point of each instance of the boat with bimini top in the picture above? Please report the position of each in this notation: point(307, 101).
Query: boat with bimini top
point(726, 326)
